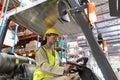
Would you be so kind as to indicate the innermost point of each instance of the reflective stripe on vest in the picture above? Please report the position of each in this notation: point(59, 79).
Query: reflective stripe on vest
point(53, 61)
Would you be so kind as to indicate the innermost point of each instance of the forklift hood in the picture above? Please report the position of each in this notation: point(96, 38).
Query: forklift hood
point(43, 16)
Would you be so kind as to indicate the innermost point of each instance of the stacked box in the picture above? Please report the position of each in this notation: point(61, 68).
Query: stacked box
point(31, 46)
point(28, 32)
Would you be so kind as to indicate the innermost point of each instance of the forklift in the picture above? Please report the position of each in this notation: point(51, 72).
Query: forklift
point(64, 15)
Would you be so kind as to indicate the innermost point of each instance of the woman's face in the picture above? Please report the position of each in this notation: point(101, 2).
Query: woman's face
point(52, 39)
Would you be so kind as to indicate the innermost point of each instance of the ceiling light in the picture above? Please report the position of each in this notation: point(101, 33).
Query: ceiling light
point(81, 37)
point(118, 44)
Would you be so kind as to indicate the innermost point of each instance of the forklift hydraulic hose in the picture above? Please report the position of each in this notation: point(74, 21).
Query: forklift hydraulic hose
point(11, 63)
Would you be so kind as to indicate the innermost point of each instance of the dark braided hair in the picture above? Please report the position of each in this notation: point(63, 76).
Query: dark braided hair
point(44, 41)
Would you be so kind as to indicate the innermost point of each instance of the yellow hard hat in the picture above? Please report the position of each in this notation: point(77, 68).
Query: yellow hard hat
point(51, 31)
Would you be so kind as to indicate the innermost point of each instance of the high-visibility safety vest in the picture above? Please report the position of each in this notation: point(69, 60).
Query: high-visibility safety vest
point(53, 61)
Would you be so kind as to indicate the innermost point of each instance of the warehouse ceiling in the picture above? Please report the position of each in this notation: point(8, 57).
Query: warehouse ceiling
point(108, 26)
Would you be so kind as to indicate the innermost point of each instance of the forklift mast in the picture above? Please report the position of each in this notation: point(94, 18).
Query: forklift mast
point(98, 54)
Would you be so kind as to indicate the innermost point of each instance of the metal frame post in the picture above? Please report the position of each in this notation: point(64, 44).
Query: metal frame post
point(15, 33)
point(4, 31)
point(37, 43)
point(2, 9)
point(16, 28)
point(98, 54)
point(4, 18)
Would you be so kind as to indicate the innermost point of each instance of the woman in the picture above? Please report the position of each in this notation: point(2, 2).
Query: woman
point(48, 60)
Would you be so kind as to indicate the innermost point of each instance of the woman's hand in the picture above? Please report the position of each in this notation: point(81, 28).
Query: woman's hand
point(67, 68)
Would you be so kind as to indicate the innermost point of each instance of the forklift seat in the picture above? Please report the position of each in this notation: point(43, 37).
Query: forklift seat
point(28, 70)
